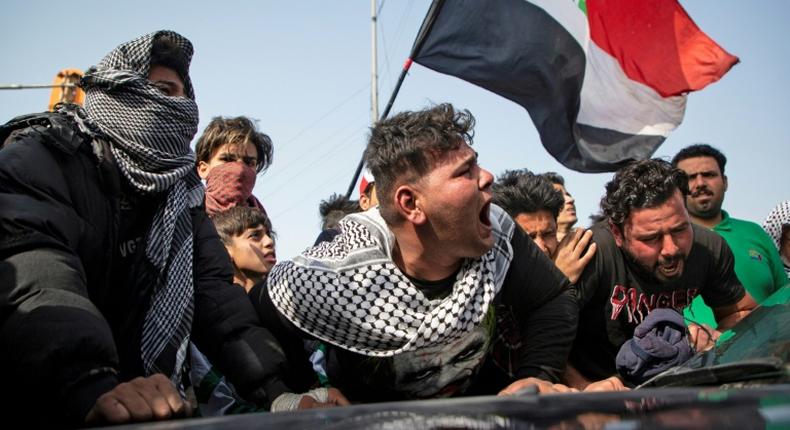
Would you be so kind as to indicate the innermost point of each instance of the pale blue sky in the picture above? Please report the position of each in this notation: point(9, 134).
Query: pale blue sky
point(303, 70)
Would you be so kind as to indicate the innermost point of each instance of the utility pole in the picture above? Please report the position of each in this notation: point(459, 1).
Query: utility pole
point(374, 78)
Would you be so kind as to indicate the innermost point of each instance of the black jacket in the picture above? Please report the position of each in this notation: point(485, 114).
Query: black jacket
point(69, 329)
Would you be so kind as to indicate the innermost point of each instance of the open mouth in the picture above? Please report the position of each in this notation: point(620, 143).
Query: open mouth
point(670, 269)
point(485, 215)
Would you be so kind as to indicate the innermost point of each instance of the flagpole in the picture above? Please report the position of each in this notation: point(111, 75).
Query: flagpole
point(427, 23)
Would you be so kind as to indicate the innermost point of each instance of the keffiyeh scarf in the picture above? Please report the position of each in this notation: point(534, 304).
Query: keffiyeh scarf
point(349, 293)
point(149, 135)
point(779, 217)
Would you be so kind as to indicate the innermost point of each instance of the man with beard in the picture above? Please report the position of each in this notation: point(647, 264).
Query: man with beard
point(404, 299)
point(757, 262)
point(110, 271)
point(649, 256)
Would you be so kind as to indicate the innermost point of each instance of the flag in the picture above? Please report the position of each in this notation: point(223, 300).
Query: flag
point(604, 81)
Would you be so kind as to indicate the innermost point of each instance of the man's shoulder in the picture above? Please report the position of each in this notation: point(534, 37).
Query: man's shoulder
point(747, 227)
point(55, 130)
point(706, 237)
point(602, 235)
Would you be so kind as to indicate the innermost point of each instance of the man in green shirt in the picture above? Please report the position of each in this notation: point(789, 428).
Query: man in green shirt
point(757, 262)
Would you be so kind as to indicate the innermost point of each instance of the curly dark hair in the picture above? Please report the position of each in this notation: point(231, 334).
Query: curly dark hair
point(407, 146)
point(334, 208)
point(641, 184)
point(554, 178)
point(521, 191)
point(701, 150)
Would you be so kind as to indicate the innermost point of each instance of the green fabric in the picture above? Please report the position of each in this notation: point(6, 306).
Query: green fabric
point(757, 264)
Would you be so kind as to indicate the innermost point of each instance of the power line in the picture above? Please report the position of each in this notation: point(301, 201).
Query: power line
point(35, 86)
point(321, 186)
point(331, 111)
point(321, 157)
point(300, 156)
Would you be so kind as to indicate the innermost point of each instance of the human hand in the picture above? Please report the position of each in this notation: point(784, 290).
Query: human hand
point(536, 385)
point(573, 254)
point(702, 337)
point(141, 399)
point(317, 399)
point(612, 383)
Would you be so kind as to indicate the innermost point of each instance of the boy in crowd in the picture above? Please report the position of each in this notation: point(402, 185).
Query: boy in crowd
point(230, 153)
point(247, 235)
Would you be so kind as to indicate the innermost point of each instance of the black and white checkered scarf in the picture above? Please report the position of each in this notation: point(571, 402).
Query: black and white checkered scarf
point(779, 217)
point(349, 293)
point(149, 135)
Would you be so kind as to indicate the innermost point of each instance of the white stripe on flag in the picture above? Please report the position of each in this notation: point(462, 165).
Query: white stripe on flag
point(609, 99)
point(612, 101)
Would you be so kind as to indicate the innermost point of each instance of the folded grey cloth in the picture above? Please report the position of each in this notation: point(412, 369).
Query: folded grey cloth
point(659, 343)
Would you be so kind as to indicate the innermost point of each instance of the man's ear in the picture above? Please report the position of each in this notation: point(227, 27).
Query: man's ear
point(724, 178)
point(202, 169)
point(406, 198)
point(617, 233)
point(364, 202)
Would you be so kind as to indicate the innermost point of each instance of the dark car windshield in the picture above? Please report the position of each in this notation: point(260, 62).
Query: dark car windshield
point(757, 348)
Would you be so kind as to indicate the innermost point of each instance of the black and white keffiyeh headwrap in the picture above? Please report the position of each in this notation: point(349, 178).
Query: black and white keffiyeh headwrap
point(149, 135)
point(779, 217)
point(349, 293)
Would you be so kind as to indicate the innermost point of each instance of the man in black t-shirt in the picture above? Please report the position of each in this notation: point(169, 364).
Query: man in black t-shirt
point(649, 256)
point(405, 297)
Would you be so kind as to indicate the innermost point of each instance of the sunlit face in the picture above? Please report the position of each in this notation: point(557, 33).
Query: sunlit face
point(166, 80)
point(659, 239)
point(541, 226)
point(253, 252)
point(443, 370)
point(456, 199)
point(706, 186)
point(568, 213)
point(228, 153)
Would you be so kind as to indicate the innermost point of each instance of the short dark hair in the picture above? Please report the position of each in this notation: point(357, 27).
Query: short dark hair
point(236, 220)
point(236, 131)
point(701, 150)
point(335, 208)
point(167, 53)
point(641, 184)
point(554, 178)
point(521, 191)
point(406, 147)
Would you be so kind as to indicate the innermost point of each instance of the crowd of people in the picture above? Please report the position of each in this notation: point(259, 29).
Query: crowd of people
point(139, 279)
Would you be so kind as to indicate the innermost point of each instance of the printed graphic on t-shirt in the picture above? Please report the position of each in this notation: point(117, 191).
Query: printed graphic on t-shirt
point(755, 255)
point(637, 304)
point(129, 247)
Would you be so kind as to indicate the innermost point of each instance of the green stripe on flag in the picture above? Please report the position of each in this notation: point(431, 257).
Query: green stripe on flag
point(583, 6)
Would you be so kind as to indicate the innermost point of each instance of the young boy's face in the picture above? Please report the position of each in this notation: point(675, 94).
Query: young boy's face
point(245, 153)
point(252, 252)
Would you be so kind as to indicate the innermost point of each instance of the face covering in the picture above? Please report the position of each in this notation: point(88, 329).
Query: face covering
point(229, 185)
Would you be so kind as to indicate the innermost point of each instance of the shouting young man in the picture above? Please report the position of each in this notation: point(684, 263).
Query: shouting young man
point(408, 299)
